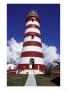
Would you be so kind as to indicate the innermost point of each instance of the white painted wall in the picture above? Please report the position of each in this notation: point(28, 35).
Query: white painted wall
point(30, 22)
point(26, 60)
point(32, 48)
point(32, 30)
point(30, 66)
point(29, 39)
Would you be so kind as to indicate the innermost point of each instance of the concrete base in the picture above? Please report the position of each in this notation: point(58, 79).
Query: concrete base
point(31, 72)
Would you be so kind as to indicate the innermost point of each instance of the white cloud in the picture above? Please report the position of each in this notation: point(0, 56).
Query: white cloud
point(14, 50)
point(50, 54)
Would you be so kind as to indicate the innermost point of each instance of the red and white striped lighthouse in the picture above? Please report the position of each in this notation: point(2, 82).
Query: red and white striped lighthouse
point(32, 55)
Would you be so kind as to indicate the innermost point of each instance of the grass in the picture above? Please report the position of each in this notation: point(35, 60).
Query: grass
point(16, 80)
point(43, 80)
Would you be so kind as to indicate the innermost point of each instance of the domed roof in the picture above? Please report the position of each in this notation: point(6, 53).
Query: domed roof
point(33, 13)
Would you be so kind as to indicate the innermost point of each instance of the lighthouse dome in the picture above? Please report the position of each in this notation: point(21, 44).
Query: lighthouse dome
point(33, 13)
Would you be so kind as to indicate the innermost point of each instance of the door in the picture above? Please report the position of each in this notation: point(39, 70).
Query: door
point(31, 66)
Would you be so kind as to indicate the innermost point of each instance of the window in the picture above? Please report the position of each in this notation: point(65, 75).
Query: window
point(32, 20)
point(31, 60)
point(32, 36)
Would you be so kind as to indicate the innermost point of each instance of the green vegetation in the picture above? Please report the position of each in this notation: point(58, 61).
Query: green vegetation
point(43, 80)
point(16, 80)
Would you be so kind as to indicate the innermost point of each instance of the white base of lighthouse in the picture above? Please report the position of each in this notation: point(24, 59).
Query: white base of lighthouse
point(31, 72)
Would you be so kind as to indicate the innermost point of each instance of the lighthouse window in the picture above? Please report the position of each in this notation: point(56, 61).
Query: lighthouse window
point(32, 20)
point(32, 37)
point(31, 60)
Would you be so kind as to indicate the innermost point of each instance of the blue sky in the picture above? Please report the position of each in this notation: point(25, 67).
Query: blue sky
point(49, 21)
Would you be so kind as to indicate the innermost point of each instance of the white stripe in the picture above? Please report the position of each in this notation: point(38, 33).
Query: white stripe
point(32, 30)
point(32, 48)
point(29, 39)
point(30, 22)
point(26, 60)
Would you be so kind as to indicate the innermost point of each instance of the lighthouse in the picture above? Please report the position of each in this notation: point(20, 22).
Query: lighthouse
point(32, 55)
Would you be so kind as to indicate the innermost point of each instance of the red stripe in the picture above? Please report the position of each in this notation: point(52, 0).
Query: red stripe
point(32, 17)
point(32, 33)
point(34, 20)
point(31, 54)
point(33, 43)
point(40, 67)
point(32, 26)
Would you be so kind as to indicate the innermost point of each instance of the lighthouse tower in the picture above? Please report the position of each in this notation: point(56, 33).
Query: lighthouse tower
point(32, 54)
